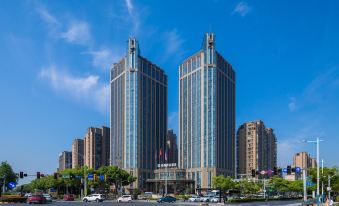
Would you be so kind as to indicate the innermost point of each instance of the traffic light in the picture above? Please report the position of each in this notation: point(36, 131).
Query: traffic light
point(95, 177)
point(275, 171)
point(55, 175)
point(21, 175)
point(289, 169)
point(293, 169)
point(253, 173)
point(38, 175)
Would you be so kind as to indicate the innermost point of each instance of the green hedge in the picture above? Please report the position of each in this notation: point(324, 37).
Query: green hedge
point(259, 199)
point(13, 199)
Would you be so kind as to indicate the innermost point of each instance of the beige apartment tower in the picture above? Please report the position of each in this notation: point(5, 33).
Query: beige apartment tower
point(256, 148)
point(96, 147)
point(65, 160)
point(304, 160)
point(78, 153)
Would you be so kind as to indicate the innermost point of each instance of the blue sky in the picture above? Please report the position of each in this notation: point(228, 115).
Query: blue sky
point(55, 58)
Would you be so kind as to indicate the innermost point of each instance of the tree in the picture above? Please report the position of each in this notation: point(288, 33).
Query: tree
point(328, 171)
point(44, 183)
point(248, 187)
point(279, 184)
point(7, 172)
point(224, 183)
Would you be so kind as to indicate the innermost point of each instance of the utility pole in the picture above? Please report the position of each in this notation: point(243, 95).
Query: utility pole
point(329, 186)
point(317, 141)
point(305, 189)
point(322, 182)
point(264, 188)
point(4, 185)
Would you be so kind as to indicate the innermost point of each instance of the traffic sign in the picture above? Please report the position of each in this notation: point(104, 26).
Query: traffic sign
point(329, 189)
point(269, 171)
point(310, 183)
point(262, 172)
point(102, 177)
point(297, 169)
point(90, 176)
point(11, 185)
point(65, 176)
point(284, 170)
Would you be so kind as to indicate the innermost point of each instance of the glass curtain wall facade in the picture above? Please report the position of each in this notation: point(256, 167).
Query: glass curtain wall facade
point(206, 115)
point(138, 114)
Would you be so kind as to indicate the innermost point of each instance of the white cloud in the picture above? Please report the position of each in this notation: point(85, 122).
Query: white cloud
point(78, 32)
point(46, 16)
point(173, 44)
point(319, 90)
point(292, 106)
point(242, 8)
point(286, 150)
point(84, 89)
point(105, 57)
point(130, 6)
point(134, 16)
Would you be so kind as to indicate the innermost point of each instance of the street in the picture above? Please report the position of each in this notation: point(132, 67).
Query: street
point(145, 203)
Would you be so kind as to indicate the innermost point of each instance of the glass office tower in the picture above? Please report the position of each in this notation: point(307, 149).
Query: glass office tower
point(138, 114)
point(206, 115)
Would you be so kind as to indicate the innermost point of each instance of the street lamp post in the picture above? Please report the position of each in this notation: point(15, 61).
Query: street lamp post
point(322, 182)
point(317, 141)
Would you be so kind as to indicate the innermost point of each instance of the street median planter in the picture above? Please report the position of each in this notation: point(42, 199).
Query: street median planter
point(13, 199)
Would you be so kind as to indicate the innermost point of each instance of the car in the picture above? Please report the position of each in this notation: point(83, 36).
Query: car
point(47, 197)
point(68, 197)
point(215, 199)
point(145, 196)
point(207, 198)
point(167, 199)
point(125, 198)
point(27, 195)
point(94, 197)
point(194, 198)
point(36, 199)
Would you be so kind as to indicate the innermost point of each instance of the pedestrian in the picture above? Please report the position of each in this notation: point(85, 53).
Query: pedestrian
point(326, 202)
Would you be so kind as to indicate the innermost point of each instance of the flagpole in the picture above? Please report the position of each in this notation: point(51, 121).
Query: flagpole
point(166, 172)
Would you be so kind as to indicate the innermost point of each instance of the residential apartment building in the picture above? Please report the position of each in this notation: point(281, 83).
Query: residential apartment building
point(256, 148)
point(65, 160)
point(138, 114)
point(96, 147)
point(303, 160)
point(206, 115)
point(78, 153)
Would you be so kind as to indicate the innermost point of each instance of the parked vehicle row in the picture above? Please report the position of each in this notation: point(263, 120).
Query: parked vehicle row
point(207, 198)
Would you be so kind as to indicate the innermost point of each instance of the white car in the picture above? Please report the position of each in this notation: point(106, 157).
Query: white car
point(125, 198)
point(47, 197)
point(215, 199)
point(207, 198)
point(94, 197)
point(194, 199)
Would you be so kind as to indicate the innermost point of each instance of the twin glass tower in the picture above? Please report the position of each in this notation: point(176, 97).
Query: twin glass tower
point(206, 115)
